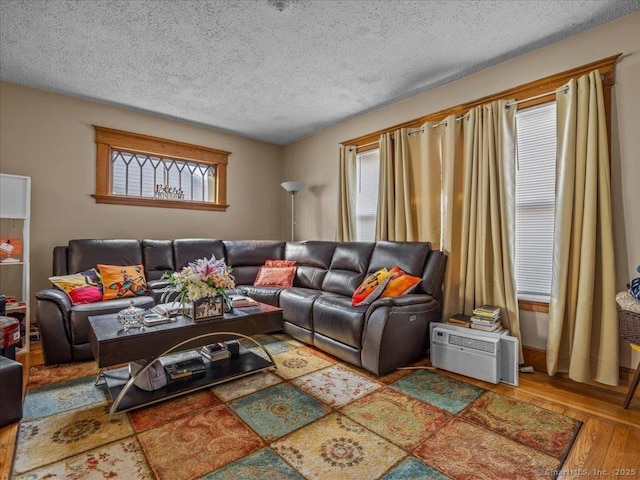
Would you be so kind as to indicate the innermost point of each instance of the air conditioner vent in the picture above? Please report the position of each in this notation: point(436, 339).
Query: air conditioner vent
point(473, 343)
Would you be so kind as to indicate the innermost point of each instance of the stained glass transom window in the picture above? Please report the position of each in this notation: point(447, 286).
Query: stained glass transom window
point(148, 176)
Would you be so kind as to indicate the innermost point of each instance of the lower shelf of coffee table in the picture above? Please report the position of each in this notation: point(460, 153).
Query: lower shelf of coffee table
point(215, 373)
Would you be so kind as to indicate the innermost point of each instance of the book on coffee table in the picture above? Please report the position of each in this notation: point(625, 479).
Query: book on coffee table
point(239, 301)
point(167, 309)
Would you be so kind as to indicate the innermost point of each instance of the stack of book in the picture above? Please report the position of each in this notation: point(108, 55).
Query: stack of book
point(185, 368)
point(459, 320)
point(215, 351)
point(486, 318)
point(239, 301)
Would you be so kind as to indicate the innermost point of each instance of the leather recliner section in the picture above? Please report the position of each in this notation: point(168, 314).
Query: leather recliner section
point(335, 318)
point(348, 267)
point(297, 306)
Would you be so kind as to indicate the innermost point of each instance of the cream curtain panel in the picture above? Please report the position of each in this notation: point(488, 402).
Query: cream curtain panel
point(426, 182)
point(583, 325)
point(451, 141)
point(487, 272)
point(395, 218)
point(347, 185)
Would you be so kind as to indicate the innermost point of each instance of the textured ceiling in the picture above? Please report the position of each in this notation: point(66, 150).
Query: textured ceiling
point(275, 70)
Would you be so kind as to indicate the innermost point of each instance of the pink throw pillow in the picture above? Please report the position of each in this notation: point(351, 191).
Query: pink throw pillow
point(275, 277)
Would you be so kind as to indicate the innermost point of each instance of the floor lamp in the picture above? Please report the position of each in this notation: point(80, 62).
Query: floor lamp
point(293, 188)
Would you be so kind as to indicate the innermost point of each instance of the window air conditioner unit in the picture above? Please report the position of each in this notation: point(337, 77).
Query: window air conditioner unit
point(492, 357)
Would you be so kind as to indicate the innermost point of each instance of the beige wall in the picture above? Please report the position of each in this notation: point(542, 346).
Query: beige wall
point(314, 160)
point(49, 138)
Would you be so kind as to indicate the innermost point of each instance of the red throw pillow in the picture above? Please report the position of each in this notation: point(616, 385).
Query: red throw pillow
point(370, 288)
point(400, 283)
point(280, 263)
point(275, 277)
point(83, 287)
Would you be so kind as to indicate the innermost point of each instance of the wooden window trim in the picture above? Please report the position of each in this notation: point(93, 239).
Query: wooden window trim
point(533, 306)
point(530, 89)
point(108, 139)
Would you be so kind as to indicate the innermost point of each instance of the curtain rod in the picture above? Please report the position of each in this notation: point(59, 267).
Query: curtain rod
point(542, 95)
point(461, 117)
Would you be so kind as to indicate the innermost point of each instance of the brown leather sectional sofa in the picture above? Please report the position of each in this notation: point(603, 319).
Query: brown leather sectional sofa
point(317, 310)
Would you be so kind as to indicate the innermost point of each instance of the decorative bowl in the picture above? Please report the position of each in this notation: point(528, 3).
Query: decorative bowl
point(131, 317)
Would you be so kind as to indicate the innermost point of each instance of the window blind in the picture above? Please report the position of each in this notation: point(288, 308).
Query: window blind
point(535, 198)
point(368, 176)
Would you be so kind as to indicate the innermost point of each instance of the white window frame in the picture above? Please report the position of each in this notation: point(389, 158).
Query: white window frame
point(367, 182)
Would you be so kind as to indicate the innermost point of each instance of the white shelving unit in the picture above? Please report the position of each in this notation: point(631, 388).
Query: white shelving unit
point(15, 215)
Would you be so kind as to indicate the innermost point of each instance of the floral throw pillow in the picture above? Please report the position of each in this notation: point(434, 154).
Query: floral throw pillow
point(280, 263)
point(275, 277)
point(83, 287)
point(370, 288)
point(121, 281)
point(400, 283)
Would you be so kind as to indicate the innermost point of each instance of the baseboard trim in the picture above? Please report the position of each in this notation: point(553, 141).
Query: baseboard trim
point(537, 358)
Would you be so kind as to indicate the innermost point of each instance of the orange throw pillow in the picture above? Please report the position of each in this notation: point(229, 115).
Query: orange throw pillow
point(275, 277)
point(371, 288)
point(121, 281)
point(400, 283)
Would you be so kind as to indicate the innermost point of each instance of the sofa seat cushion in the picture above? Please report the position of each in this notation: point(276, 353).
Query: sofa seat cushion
point(336, 318)
point(297, 305)
point(269, 295)
point(80, 314)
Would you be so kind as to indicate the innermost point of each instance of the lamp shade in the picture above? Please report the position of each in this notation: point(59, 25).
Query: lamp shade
point(292, 187)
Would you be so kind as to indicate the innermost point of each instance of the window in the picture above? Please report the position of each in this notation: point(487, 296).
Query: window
point(535, 200)
point(368, 175)
point(133, 169)
point(141, 175)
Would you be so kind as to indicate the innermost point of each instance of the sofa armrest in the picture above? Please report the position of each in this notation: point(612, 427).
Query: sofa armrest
point(396, 331)
point(402, 301)
point(53, 314)
point(58, 297)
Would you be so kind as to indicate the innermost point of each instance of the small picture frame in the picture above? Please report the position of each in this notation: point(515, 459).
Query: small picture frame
point(207, 308)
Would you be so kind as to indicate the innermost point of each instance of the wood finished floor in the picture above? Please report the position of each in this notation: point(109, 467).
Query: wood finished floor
point(609, 441)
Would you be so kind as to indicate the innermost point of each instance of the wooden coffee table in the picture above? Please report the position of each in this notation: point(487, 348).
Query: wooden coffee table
point(112, 345)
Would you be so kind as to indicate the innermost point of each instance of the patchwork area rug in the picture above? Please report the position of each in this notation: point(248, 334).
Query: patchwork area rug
point(312, 418)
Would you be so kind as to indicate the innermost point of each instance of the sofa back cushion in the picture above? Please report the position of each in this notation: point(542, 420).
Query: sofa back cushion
point(433, 275)
point(312, 259)
point(158, 258)
point(348, 267)
point(408, 256)
point(85, 254)
point(187, 250)
point(247, 256)
point(60, 260)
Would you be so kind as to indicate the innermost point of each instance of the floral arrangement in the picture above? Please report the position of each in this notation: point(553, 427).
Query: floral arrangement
point(200, 279)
